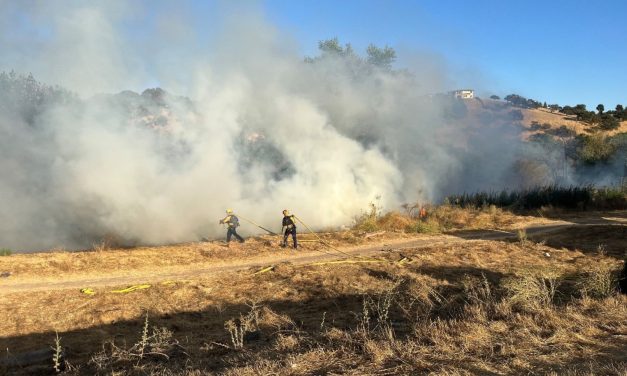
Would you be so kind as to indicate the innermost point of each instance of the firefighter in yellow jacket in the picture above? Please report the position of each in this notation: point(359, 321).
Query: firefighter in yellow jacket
point(232, 223)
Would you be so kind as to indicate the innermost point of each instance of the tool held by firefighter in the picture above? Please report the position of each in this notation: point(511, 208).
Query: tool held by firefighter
point(289, 228)
point(258, 225)
point(232, 223)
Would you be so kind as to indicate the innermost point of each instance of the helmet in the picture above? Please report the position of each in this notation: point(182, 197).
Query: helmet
point(229, 211)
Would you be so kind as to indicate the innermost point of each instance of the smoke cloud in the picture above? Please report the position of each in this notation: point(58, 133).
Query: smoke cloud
point(262, 130)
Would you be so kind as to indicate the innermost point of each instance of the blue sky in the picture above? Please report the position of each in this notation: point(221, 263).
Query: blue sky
point(566, 52)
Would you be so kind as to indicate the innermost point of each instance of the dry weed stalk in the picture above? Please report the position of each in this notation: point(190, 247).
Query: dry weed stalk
point(478, 291)
point(143, 342)
point(159, 344)
point(57, 354)
point(100, 247)
point(522, 237)
point(238, 328)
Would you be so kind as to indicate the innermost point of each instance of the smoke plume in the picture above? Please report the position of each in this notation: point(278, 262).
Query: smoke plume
point(244, 123)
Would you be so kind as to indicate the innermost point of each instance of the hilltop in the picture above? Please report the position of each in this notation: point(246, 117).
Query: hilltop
point(532, 120)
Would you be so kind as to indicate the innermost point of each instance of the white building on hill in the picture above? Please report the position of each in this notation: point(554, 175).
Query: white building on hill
point(463, 93)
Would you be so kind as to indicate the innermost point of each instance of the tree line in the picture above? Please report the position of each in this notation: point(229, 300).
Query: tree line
point(606, 120)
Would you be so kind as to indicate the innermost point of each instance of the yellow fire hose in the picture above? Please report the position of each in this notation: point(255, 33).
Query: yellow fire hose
point(258, 225)
point(320, 239)
point(264, 270)
point(402, 261)
point(131, 288)
point(90, 291)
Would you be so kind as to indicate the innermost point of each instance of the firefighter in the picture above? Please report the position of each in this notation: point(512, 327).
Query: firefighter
point(289, 226)
point(232, 223)
point(423, 213)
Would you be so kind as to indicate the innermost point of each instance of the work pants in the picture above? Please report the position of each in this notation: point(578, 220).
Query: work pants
point(233, 232)
point(287, 233)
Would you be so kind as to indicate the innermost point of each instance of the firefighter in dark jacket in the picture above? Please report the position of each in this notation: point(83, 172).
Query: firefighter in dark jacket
point(232, 222)
point(289, 224)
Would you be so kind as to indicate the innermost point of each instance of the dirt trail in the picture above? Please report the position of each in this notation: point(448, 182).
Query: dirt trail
point(8, 286)
point(192, 272)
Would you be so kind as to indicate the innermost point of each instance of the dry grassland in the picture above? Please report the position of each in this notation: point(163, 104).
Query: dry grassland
point(556, 120)
point(520, 306)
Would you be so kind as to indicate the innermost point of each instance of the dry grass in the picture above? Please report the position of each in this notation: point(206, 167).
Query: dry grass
point(121, 262)
point(556, 120)
point(472, 308)
point(467, 308)
point(103, 259)
point(442, 218)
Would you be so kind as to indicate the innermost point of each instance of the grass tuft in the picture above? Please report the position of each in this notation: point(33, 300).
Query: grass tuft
point(599, 282)
point(533, 289)
point(5, 252)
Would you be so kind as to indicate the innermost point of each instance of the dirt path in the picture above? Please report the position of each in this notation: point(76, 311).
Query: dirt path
point(8, 286)
point(192, 272)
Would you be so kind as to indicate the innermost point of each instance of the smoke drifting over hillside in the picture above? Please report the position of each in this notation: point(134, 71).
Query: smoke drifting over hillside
point(263, 130)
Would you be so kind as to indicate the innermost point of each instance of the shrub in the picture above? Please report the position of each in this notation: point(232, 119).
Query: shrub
point(368, 221)
point(522, 236)
point(595, 148)
point(395, 221)
point(608, 122)
point(573, 197)
point(239, 328)
point(160, 344)
point(532, 289)
point(5, 252)
point(601, 281)
point(428, 227)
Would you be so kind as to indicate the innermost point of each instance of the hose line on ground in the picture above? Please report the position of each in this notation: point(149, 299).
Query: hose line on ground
point(320, 239)
point(258, 225)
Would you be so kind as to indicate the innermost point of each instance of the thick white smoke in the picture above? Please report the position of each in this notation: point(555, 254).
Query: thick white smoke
point(264, 131)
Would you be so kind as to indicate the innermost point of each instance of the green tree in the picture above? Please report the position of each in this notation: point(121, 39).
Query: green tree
point(581, 108)
point(620, 113)
point(381, 57)
point(600, 108)
point(330, 46)
point(595, 148)
point(495, 97)
point(608, 122)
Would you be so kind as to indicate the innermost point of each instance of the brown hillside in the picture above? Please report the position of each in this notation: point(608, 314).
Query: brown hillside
point(556, 120)
point(488, 112)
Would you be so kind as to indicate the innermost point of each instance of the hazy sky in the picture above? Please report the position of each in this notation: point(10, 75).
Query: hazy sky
point(568, 52)
point(556, 51)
